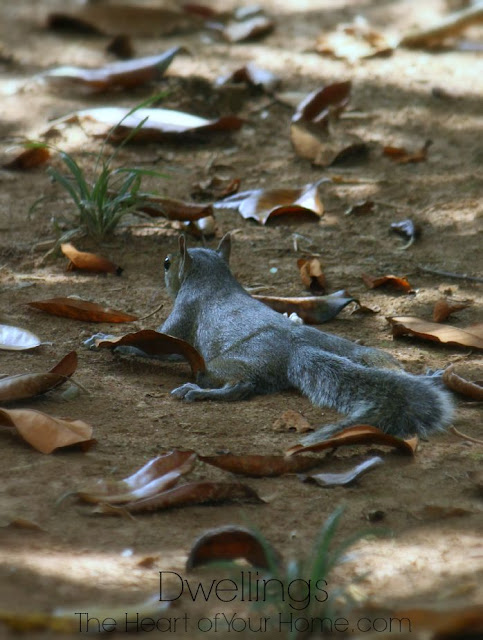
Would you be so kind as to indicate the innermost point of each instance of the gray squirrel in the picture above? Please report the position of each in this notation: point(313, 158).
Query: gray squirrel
point(251, 349)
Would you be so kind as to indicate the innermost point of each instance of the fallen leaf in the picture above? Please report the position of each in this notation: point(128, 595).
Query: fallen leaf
point(117, 75)
point(359, 434)
point(80, 310)
point(135, 20)
point(446, 334)
point(121, 46)
point(312, 275)
point(150, 125)
point(354, 41)
point(88, 261)
point(389, 281)
point(216, 188)
point(253, 75)
point(174, 209)
point(360, 208)
point(260, 466)
point(444, 623)
point(23, 523)
point(33, 156)
point(312, 309)
point(408, 229)
point(255, 27)
point(202, 228)
point(46, 433)
point(461, 385)
point(231, 543)
point(439, 512)
point(15, 339)
point(444, 308)
point(291, 420)
point(402, 156)
point(155, 343)
point(28, 385)
point(325, 149)
point(263, 205)
point(344, 478)
point(322, 104)
point(185, 495)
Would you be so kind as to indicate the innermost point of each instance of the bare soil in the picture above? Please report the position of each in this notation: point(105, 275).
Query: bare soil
point(430, 558)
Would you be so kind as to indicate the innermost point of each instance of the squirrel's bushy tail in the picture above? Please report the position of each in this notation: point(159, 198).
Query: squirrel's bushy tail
point(394, 401)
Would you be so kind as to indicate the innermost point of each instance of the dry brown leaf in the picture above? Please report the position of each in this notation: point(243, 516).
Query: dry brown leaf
point(312, 275)
point(444, 308)
point(402, 156)
point(46, 433)
point(22, 523)
point(174, 209)
point(228, 544)
point(446, 334)
point(461, 385)
point(312, 309)
point(16, 339)
point(439, 512)
point(28, 385)
point(444, 623)
point(254, 76)
point(324, 149)
point(291, 420)
point(117, 75)
point(354, 41)
point(88, 261)
point(155, 343)
point(216, 188)
point(322, 104)
point(255, 27)
point(121, 46)
point(202, 228)
point(34, 156)
point(359, 434)
point(260, 466)
point(393, 282)
point(81, 310)
point(360, 208)
point(345, 477)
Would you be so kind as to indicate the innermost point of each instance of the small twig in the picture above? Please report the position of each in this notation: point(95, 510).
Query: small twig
point(449, 274)
point(158, 308)
point(465, 437)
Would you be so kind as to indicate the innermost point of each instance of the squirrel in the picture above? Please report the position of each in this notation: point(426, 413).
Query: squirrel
point(251, 349)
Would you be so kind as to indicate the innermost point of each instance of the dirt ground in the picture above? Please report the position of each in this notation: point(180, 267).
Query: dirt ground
point(430, 558)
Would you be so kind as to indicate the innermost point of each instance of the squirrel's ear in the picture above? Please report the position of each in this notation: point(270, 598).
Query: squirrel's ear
point(224, 247)
point(185, 259)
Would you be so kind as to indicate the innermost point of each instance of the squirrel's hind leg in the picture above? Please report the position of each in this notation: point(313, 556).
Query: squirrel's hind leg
point(190, 392)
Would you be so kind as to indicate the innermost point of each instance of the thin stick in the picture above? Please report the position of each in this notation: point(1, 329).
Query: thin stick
point(449, 274)
point(158, 308)
point(465, 437)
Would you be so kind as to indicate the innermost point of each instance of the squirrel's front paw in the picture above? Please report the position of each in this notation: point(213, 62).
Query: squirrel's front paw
point(187, 392)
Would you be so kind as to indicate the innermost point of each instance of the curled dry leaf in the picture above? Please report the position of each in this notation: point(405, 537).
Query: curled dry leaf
point(446, 334)
point(81, 310)
point(216, 188)
point(344, 478)
point(312, 309)
point(260, 466)
point(402, 156)
point(33, 156)
point(16, 339)
point(360, 208)
point(174, 209)
point(317, 107)
point(47, 433)
point(249, 29)
point(28, 385)
point(291, 420)
point(408, 229)
point(155, 343)
point(253, 75)
point(389, 281)
point(263, 205)
point(151, 125)
point(88, 261)
point(117, 75)
point(312, 275)
point(231, 543)
point(185, 495)
point(444, 308)
point(354, 41)
point(132, 20)
point(461, 385)
point(359, 434)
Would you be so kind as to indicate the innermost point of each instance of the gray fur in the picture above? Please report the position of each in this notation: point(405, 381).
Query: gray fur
point(251, 349)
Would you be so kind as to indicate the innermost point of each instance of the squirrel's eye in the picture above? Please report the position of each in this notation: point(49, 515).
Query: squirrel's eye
point(167, 264)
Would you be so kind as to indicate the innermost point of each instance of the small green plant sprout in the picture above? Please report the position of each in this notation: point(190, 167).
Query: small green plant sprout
point(294, 598)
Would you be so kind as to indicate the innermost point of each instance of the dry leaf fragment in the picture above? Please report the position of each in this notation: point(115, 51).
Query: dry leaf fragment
point(231, 543)
point(360, 208)
point(324, 149)
point(446, 334)
point(312, 275)
point(261, 466)
point(46, 433)
point(254, 76)
point(23, 523)
point(359, 434)
point(444, 308)
point(216, 188)
point(263, 205)
point(121, 46)
point(33, 156)
point(28, 385)
point(461, 385)
point(312, 309)
point(16, 339)
point(402, 156)
point(155, 343)
point(354, 41)
point(81, 310)
point(117, 75)
point(438, 512)
point(254, 27)
point(317, 107)
point(344, 478)
point(445, 624)
point(393, 282)
point(88, 261)
point(291, 420)
point(174, 209)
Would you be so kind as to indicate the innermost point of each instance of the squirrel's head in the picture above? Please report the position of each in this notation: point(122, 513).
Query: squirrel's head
point(178, 265)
